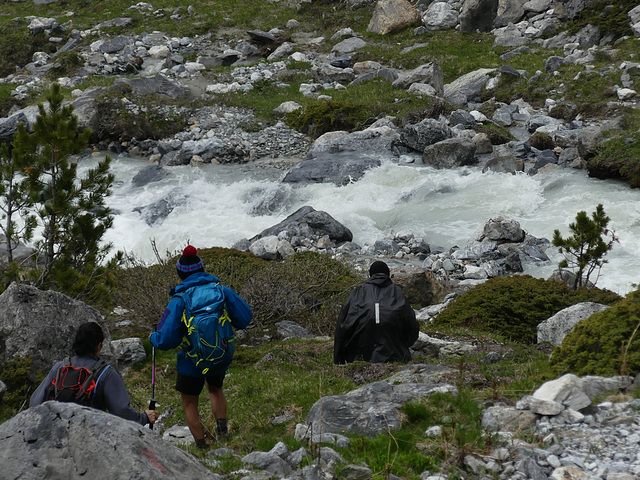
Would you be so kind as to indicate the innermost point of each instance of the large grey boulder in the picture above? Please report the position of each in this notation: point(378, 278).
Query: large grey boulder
point(340, 168)
point(570, 9)
point(42, 325)
point(265, 247)
point(328, 74)
point(569, 390)
point(419, 285)
point(377, 141)
point(155, 85)
point(420, 135)
point(508, 419)
point(349, 45)
point(149, 174)
point(468, 87)
point(155, 213)
point(289, 329)
point(392, 15)
point(65, 441)
point(504, 164)
point(478, 15)
point(503, 238)
point(440, 16)
point(308, 221)
point(555, 328)
point(371, 409)
point(128, 352)
point(509, 11)
point(9, 126)
point(430, 73)
point(268, 461)
point(450, 153)
point(584, 139)
point(634, 20)
point(500, 230)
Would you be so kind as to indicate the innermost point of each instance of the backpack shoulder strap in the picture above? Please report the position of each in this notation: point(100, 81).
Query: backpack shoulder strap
point(98, 369)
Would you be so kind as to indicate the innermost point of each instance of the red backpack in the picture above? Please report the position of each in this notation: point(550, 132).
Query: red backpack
point(76, 384)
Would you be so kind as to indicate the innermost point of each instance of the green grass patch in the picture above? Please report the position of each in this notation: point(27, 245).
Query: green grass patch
point(408, 453)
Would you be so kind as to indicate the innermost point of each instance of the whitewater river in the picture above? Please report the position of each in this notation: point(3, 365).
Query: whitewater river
point(219, 205)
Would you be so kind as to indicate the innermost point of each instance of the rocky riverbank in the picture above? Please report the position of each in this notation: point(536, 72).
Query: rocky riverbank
point(570, 437)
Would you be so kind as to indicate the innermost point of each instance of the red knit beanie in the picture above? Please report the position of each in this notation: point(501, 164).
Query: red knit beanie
point(189, 262)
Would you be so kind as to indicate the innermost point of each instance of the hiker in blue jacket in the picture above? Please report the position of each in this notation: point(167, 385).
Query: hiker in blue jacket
point(172, 331)
point(110, 392)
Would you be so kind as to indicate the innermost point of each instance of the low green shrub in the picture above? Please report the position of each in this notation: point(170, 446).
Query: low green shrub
point(497, 134)
point(603, 344)
point(327, 116)
point(610, 17)
point(17, 46)
point(66, 65)
point(512, 307)
point(122, 115)
point(143, 289)
point(15, 374)
point(308, 288)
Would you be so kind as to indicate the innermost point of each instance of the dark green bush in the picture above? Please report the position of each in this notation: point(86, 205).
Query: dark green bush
point(564, 111)
point(611, 17)
point(65, 65)
point(143, 116)
point(497, 134)
point(307, 288)
point(597, 344)
point(326, 116)
point(17, 47)
point(512, 307)
point(144, 289)
point(15, 374)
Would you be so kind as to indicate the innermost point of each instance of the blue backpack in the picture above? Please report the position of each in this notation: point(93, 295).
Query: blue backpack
point(211, 341)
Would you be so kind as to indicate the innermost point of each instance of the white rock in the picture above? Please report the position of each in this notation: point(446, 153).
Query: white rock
point(159, 51)
point(626, 93)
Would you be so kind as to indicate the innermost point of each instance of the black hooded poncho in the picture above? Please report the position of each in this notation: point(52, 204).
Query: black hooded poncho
point(385, 337)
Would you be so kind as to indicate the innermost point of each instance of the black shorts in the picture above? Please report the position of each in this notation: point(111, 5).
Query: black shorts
point(193, 385)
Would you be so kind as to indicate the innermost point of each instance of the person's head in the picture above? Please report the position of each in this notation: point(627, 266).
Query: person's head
point(88, 337)
point(379, 267)
point(189, 262)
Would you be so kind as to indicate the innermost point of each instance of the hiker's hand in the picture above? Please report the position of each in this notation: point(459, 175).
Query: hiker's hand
point(153, 415)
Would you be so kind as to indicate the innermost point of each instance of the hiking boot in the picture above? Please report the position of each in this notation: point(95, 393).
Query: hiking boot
point(222, 432)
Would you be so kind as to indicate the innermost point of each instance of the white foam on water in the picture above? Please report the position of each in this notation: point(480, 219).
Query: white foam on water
point(221, 205)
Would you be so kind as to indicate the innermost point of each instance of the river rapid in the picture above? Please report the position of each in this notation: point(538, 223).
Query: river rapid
point(217, 205)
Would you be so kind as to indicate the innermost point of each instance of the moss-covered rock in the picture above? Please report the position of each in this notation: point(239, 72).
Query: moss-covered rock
point(512, 307)
point(597, 345)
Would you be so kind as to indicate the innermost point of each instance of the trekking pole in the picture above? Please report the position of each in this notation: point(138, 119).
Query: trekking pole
point(152, 401)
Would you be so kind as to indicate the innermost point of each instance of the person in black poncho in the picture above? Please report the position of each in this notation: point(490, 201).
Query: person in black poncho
point(376, 324)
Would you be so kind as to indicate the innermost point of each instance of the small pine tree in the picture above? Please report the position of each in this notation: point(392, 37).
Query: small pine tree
point(14, 201)
point(72, 211)
point(584, 251)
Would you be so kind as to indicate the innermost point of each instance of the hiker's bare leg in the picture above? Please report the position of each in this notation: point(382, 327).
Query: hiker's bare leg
point(192, 416)
point(218, 401)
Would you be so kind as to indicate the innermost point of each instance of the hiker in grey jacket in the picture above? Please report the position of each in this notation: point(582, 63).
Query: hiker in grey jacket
point(111, 393)
point(376, 324)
